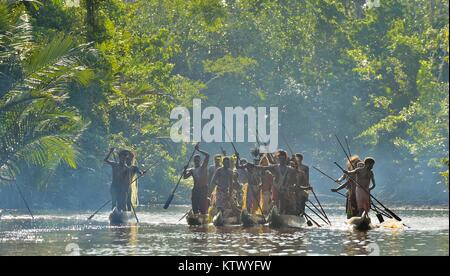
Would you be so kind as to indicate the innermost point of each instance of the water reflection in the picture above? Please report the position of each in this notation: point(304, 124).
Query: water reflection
point(160, 233)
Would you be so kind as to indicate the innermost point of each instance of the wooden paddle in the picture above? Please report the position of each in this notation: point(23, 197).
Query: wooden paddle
point(172, 195)
point(24, 200)
point(185, 215)
point(320, 205)
point(309, 219)
point(98, 210)
point(315, 213)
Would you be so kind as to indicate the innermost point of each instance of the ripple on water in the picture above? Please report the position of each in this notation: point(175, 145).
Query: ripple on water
point(160, 233)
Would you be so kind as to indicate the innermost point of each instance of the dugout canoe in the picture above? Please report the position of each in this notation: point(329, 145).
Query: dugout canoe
point(276, 220)
point(220, 220)
point(363, 223)
point(118, 218)
point(196, 219)
point(250, 220)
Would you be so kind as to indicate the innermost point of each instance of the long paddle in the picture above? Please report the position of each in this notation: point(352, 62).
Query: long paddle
point(172, 195)
point(348, 146)
point(320, 205)
point(98, 210)
point(371, 196)
point(184, 215)
point(24, 200)
point(343, 149)
point(314, 205)
point(315, 213)
point(309, 219)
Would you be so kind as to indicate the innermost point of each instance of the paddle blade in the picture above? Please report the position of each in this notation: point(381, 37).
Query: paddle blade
point(380, 218)
point(169, 201)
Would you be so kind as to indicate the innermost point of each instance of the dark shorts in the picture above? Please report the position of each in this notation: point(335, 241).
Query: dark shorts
point(200, 200)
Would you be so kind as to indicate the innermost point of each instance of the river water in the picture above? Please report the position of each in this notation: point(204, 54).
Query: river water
point(161, 233)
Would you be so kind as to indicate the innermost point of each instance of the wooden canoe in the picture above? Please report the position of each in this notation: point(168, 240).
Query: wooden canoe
point(250, 220)
point(220, 220)
point(276, 220)
point(196, 219)
point(117, 218)
point(363, 223)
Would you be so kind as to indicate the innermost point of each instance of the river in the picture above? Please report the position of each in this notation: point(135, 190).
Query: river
point(161, 233)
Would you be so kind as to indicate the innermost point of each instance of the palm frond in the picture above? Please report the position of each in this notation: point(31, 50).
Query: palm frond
point(48, 73)
point(43, 135)
point(15, 36)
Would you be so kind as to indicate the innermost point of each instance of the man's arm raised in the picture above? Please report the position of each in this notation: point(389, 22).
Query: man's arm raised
point(107, 161)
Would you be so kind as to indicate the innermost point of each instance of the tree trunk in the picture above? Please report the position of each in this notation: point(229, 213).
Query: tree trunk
point(90, 20)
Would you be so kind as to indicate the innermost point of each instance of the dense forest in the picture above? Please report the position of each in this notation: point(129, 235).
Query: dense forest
point(79, 77)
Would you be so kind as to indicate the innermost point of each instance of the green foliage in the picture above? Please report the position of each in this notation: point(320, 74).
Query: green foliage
point(379, 75)
point(36, 127)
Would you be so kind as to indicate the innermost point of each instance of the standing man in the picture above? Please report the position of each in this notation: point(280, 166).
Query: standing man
point(120, 180)
point(200, 175)
point(364, 176)
point(302, 167)
point(223, 178)
point(351, 206)
point(212, 169)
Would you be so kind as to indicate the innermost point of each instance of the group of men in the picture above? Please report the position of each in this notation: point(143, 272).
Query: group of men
point(272, 180)
point(227, 186)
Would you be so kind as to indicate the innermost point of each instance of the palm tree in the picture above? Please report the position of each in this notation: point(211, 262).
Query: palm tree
point(37, 127)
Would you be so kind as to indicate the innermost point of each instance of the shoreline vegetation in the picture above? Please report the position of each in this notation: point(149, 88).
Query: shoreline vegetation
point(76, 81)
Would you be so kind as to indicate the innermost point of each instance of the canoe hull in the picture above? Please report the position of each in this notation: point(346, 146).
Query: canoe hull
point(219, 220)
point(251, 220)
point(361, 223)
point(196, 219)
point(285, 221)
point(118, 218)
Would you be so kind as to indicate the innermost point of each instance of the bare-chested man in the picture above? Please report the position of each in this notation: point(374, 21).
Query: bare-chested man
point(121, 178)
point(303, 171)
point(223, 179)
point(200, 175)
point(252, 203)
point(364, 176)
point(212, 169)
point(302, 167)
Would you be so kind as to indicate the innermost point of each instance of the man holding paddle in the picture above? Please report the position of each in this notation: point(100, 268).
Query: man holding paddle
point(223, 179)
point(301, 194)
point(364, 176)
point(200, 175)
point(121, 178)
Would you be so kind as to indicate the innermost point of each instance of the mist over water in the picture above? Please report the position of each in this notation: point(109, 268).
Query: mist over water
point(161, 233)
